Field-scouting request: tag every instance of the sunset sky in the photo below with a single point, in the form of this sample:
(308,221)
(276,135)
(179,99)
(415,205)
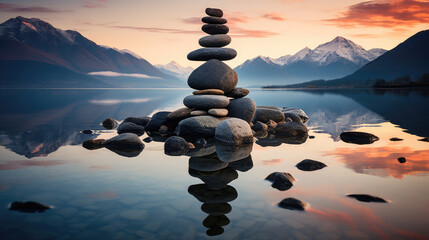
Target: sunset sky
(165,30)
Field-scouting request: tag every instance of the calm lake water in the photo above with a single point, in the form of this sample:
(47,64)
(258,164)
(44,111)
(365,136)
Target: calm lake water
(99,194)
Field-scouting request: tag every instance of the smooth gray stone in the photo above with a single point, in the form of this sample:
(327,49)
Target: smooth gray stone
(156,121)
(109,123)
(358,137)
(243,108)
(238,93)
(93,144)
(266,114)
(214,29)
(129,127)
(293,204)
(175,146)
(291,129)
(280,180)
(142,121)
(124,141)
(298,112)
(234,131)
(199,113)
(310,165)
(205,102)
(214,12)
(200,126)
(213,74)
(214,20)
(293,117)
(205,54)
(218,40)
(180,113)
(218,112)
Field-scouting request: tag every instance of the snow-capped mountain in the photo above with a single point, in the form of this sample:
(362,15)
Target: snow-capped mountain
(333,59)
(175,69)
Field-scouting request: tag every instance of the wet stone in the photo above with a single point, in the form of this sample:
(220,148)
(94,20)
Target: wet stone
(213,29)
(109,123)
(93,144)
(266,114)
(395,139)
(243,108)
(28,207)
(293,204)
(280,180)
(129,127)
(234,131)
(310,165)
(366,198)
(358,137)
(205,54)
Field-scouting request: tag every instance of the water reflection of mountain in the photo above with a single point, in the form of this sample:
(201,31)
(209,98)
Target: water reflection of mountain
(403,107)
(37,122)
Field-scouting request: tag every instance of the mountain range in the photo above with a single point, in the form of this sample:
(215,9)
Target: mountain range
(330,60)
(174,69)
(36,54)
(406,65)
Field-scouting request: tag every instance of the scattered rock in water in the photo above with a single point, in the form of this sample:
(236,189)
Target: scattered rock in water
(358,137)
(243,108)
(28,207)
(218,112)
(234,131)
(293,204)
(205,54)
(366,198)
(395,139)
(214,20)
(291,129)
(230,153)
(199,113)
(213,29)
(299,112)
(293,117)
(266,114)
(109,123)
(213,221)
(209,92)
(197,127)
(142,121)
(129,127)
(310,165)
(207,163)
(402,160)
(93,144)
(280,180)
(311,137)
(215,180)
(148,140)
(124,141)
(268,142)
(207,195)
(214,12)
(259,126)
(216,209)
(426,139)
(213,74)
(158,119)
(176,146)
(206,101)
(87,131)
(242,165)
(180,114)
(238,93)
(218,40)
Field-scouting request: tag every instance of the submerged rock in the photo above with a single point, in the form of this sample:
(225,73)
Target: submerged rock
(310,165)
(109,123)
(93,144)
(358,137)
(28,207)
(366,198)
(234,131)
(280,180)
(293,204)
(129,127)
(176,146)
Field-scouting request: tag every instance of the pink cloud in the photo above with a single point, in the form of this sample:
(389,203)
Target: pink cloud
(9,7)
(95,4)
(273,16)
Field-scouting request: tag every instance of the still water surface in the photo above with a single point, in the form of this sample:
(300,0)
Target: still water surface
(101,195)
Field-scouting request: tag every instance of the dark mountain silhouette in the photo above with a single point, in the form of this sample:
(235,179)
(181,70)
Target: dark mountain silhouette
(25,40)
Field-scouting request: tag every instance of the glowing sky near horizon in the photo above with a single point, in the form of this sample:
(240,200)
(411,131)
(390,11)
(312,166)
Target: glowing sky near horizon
(164,30)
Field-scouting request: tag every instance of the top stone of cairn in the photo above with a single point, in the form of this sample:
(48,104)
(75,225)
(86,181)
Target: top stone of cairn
(214,12)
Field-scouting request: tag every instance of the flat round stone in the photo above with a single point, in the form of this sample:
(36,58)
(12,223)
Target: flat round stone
(199,113)
(238,93)
(218,112)
(209,92)
(205,54)
(213,74)
(218,40)
(214,12)
(205,102)
(214,20)
(213,29)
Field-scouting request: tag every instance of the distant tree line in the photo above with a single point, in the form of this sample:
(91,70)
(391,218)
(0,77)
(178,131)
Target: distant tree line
(400,82)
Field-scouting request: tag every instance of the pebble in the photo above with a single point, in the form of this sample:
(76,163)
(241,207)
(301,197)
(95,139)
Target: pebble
(205,54)
(219,112)
(199,113)
(209,92)
(218,40)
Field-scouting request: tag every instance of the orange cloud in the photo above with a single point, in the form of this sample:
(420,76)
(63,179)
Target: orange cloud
(272,162)
(273,16)
(382,161)
(246,33)
(390,14)
(333,216)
